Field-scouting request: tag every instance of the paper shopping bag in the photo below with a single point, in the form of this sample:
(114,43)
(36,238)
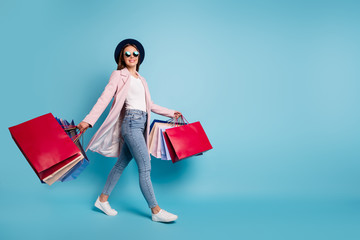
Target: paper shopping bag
(186,141)
(156,138)
(154,145)
(74,172)
(155,121)
(165,155)
(47,148)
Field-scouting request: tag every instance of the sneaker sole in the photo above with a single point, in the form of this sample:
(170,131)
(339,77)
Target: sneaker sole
(156,220)
(99,207)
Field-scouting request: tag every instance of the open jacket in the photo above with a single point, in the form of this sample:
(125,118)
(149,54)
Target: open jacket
(108,140)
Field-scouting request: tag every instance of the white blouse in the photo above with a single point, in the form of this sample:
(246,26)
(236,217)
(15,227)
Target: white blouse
(135,98)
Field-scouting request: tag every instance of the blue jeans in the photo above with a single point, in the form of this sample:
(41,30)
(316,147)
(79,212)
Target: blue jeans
(132,130)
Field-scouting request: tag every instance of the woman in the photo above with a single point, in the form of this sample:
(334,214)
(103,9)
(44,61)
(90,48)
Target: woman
(125,131)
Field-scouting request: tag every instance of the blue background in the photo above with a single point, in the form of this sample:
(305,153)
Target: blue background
(275,85)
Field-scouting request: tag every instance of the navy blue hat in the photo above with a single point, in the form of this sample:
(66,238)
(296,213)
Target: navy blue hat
(122,44)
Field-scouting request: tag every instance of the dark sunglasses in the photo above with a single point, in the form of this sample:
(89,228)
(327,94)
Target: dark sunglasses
(135,54)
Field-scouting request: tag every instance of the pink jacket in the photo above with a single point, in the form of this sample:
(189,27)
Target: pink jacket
(107,140)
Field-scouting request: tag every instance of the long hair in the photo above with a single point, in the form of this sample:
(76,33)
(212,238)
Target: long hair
(121,61)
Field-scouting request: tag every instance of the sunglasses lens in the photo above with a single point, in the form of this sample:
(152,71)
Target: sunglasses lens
(136,53)
(128,54)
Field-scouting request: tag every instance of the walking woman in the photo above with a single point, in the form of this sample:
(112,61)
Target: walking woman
(125,131)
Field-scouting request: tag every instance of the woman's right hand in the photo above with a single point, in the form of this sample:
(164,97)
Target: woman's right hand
(83,126)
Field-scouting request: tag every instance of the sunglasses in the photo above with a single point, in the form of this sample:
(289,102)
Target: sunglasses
(135,54)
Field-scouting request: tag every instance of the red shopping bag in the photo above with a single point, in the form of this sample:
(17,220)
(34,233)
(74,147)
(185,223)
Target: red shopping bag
(46,146)
(186,141)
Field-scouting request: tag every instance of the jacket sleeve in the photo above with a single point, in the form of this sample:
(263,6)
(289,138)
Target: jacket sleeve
(162,110)
(103,100)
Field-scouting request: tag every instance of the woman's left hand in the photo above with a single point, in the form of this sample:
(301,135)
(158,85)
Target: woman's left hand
(177,114)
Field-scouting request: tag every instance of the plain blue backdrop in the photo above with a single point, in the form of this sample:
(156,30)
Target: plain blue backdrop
(275,85)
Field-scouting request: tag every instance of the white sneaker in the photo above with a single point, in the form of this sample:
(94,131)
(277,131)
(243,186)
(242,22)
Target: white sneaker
(164,216)
(105,207)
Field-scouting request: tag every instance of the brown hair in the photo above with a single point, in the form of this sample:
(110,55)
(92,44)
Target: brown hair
(121,61)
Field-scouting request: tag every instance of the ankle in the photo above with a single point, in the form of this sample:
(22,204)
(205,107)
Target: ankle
(155,209)
(103,198)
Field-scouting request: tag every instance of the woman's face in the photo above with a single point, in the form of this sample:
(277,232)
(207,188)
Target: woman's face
(131,60)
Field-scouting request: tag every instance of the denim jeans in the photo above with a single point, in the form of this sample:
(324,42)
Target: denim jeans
(132,130)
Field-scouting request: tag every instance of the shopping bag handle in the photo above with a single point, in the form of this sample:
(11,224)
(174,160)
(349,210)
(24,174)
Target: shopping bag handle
(174,122)
(182,117)
(177,122)
(77,136)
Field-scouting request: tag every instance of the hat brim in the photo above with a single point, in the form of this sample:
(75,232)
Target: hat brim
(123,43)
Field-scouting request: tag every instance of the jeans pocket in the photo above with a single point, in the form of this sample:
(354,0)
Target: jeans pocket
(136,116)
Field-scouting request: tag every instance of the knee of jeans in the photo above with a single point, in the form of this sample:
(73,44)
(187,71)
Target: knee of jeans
(120,165)
(145,170)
